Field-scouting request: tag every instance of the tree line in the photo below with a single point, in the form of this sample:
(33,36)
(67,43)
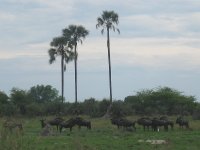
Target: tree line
(43,100)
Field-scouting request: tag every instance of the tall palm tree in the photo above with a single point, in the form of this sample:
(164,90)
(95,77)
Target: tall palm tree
(76,34)
(60,46)
(108,20)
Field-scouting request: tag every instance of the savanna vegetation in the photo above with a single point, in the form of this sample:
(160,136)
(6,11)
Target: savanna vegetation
(23,113)
(102,136)
(41,100)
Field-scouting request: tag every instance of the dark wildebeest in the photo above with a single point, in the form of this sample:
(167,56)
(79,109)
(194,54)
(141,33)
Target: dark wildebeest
(156,123)
(169,122)
(117,122)
(54,122)
(145,122)
(127,123)
(67,124)
(122,122)
(81,122)
(182,122)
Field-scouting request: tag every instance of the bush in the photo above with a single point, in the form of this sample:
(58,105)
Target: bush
(196,113)
(35,109)
(8,109)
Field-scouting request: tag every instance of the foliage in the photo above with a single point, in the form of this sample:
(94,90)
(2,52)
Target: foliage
(108,20)
(196,113)
(3,98)
(20,99)
(8,109)
(43,100)
(42,94)
(162,100)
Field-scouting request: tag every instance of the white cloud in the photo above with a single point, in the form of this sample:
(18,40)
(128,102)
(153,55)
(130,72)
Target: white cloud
(4,16)
(144,52)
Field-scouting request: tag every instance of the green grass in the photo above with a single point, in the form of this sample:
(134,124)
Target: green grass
(103,136)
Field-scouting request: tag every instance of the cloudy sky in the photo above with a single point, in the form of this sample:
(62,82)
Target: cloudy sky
(159,45)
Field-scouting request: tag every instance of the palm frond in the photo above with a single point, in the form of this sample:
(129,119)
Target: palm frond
(57,41)
(102,31)
(118,30)
(100,22)
(52,54)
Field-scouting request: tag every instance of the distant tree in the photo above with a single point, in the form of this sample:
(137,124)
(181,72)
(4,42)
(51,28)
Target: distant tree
(196,113)
(76,34)
(20,99)
(117,109)
(42,93)
(3,98)
(108,21)
(162,100)
(61,47)
(8,109)
(103,106)
(90,107)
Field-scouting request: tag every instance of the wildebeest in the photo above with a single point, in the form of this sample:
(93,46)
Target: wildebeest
(182,122)
(117,122)
(54,122)
(145,122)
(67,124)
(168,122)
(122,122)
(127,123)
(81,122)
(156,123)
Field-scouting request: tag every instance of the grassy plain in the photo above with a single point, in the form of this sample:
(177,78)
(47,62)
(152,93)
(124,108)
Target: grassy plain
(103,136)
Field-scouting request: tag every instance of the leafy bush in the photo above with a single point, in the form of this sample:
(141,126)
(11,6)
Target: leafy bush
(8,109)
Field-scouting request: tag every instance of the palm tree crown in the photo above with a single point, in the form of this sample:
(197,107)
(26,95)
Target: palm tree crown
(108,20)
(61,47)
(75,33)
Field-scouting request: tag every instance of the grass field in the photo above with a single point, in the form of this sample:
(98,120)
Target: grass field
(103,136)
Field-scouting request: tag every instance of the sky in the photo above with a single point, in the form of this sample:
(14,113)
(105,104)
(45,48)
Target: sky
(158,46)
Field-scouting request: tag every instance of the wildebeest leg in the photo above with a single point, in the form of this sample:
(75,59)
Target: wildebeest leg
(134,127)
(60,129)
(154,128)
(166,127)
(172,127)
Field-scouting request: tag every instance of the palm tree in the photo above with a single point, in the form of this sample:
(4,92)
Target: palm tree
(108,21)
(61,47)
(76,34)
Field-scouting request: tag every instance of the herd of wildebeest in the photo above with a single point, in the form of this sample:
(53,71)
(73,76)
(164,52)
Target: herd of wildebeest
(154,124)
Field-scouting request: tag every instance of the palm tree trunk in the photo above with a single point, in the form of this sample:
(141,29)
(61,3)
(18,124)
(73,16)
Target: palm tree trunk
(75,64)
(108,113)
(62,76)
(109,63)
